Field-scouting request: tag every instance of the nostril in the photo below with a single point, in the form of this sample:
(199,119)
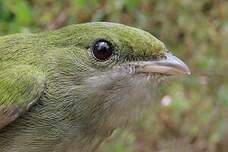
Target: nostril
(164,57)
(157,57)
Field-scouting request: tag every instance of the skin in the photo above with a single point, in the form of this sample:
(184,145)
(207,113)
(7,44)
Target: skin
(55,96)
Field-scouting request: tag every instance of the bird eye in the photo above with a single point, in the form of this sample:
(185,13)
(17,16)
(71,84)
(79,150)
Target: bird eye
(102,50)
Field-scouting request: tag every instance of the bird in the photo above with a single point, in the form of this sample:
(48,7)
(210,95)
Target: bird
(67,90)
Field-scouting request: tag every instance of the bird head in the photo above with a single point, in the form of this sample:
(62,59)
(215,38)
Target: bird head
(115,69)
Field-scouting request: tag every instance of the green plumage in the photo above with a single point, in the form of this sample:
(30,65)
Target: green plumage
(66,99)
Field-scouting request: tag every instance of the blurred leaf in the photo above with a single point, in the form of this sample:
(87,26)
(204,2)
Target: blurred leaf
(81,3)
(223,95)
(22,11)
(132,4)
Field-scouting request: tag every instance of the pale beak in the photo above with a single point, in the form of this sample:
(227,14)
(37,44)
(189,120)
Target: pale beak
(170,65)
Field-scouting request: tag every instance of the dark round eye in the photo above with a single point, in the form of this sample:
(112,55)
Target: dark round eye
(102,50)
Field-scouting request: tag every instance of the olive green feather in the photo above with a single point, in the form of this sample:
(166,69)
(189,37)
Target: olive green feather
(55,96)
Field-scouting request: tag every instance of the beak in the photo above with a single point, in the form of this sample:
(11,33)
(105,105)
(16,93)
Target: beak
(170,65)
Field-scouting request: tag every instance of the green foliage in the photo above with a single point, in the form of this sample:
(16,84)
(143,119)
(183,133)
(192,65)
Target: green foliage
(15,16)
(195,118)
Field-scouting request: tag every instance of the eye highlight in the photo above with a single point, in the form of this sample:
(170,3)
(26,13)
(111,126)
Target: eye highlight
(102,50)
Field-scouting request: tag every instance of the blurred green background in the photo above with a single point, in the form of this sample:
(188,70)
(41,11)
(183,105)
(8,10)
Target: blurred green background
(191,113)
